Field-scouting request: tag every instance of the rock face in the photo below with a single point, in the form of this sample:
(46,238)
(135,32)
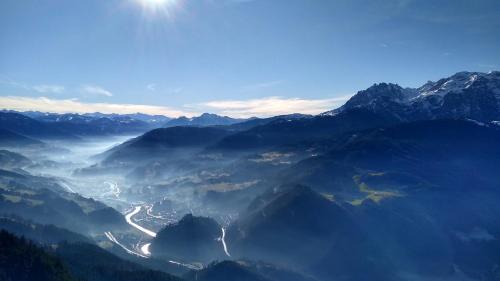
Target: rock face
(191,239)
(472,95)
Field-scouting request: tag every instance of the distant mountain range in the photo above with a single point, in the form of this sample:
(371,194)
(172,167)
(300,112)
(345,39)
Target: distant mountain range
(206,119)
(473,95)
(89,117)
(71,126)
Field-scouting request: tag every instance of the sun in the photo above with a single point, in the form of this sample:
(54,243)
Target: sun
(156,2)
(158,7)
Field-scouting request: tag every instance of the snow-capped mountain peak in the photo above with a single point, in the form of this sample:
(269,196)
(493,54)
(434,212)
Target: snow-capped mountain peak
(473,95)
(455,84)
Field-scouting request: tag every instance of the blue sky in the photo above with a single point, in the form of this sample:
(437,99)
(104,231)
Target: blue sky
(235,57)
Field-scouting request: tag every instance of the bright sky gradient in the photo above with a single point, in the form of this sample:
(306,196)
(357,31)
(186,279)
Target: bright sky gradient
(235,57)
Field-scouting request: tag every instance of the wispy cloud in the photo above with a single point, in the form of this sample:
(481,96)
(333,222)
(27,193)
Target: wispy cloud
(262,85)
(96,90)
(42,88)
(45,104)
(56,89)
(271,106)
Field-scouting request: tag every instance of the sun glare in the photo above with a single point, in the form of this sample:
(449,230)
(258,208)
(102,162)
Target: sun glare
(159,7)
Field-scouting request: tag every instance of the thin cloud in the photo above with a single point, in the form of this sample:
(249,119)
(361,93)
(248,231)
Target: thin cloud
(262,85)
(42,88)
(45,104)
(56,89)
(271,106)
(96,90)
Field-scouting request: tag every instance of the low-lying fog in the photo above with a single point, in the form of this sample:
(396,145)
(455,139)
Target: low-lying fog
(59,159)
(63,159)
(81,152)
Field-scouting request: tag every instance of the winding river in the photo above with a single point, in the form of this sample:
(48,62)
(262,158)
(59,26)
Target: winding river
(128,218)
